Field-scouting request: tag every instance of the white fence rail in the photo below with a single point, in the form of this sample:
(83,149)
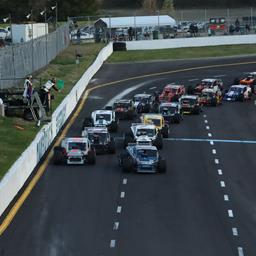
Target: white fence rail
(190,42)
(15,178)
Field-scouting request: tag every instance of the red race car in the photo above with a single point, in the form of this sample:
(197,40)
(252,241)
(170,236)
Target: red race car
(208,83)
(172,92)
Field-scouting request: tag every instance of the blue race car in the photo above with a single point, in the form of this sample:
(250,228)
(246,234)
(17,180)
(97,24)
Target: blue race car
(238,93)
(141,159)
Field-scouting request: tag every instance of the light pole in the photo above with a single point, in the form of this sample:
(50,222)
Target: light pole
(56,23)
(30,16)
(46,36)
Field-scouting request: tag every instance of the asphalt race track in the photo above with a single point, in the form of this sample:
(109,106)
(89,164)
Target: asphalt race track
(205,205)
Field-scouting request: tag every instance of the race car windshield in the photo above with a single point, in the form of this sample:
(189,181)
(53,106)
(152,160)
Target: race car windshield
(77,145)
(142,153)
(148,132)
(121,105)
(236,89)
(206,84)
(140,99)
(106,117)
(97,136)
(207,95)
(168,110)
(188,101)
(155,121)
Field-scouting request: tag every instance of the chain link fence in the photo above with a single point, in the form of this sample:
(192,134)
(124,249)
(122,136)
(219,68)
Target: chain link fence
(19,60)
(84,29)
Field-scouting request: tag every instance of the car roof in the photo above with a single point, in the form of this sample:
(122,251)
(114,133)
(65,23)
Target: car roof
(145,147)
(208,90)
(155,116)
(144,126)
(122,101)
(97,129)
(103,111)
(77,139)
(169,104)
(252,73)
(142,95)
(210,80)
(174,86)
(238,86)
(194,97)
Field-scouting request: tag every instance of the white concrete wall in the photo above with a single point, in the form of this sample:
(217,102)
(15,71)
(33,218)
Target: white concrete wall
(17,175)
(190,42)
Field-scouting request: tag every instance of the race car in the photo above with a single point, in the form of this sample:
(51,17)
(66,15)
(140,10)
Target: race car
(210,97)
(208,83)
(74,150)
(138,133)
(102,118)
(172,92)
(124,109)
(238,93)
(144,103)
(100,139)
(141,159)
(158,121)
(190,104)
(249,80)
(171,112)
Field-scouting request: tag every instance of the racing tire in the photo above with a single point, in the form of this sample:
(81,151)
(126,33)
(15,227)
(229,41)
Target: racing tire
(165,132)
(127,164)
(87,122)
(113,126)
(161,166)
(91,157)
(112,146)
(241,98)
(130,115)
(158,141)
(58,155)
(127,139)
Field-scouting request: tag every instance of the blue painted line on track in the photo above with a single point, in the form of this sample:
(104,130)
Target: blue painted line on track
(214,140)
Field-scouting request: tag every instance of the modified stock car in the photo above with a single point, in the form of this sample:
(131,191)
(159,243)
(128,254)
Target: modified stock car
(249,80)
(75,150)
(144,103)
(171,112)
(208,83)
(210,97)
(100,139)
(158,121)
(238,93)
(124,109)
(102,118)
(141,159)
(190,104)
(172,92)
(139,131)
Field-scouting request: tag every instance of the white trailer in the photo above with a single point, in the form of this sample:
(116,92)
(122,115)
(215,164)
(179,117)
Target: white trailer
(25,32)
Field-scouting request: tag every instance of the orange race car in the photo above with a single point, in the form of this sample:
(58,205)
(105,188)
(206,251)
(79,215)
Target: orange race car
(249,80)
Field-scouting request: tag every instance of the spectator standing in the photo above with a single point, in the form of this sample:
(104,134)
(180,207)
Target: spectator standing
(28,89)
(130,33)
(247,28)
(45,93)
(237,25)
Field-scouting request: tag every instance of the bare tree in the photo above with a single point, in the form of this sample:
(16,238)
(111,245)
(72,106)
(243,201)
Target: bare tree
(168,7)
(149,6)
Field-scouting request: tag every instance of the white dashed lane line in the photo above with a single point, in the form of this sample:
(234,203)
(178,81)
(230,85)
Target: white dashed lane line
(152,88)
(193,79)
(220,172)
(206,121)
(219,76)
(209,135)
(211,142)
(230,214)
(119,209)
(240,251)
(122,194)
(226,198)
(207,127)
(214,151)
(222,184)
(112,243)
(116,226)
(205,116)
(124,181)
(235,231)
(216,161)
